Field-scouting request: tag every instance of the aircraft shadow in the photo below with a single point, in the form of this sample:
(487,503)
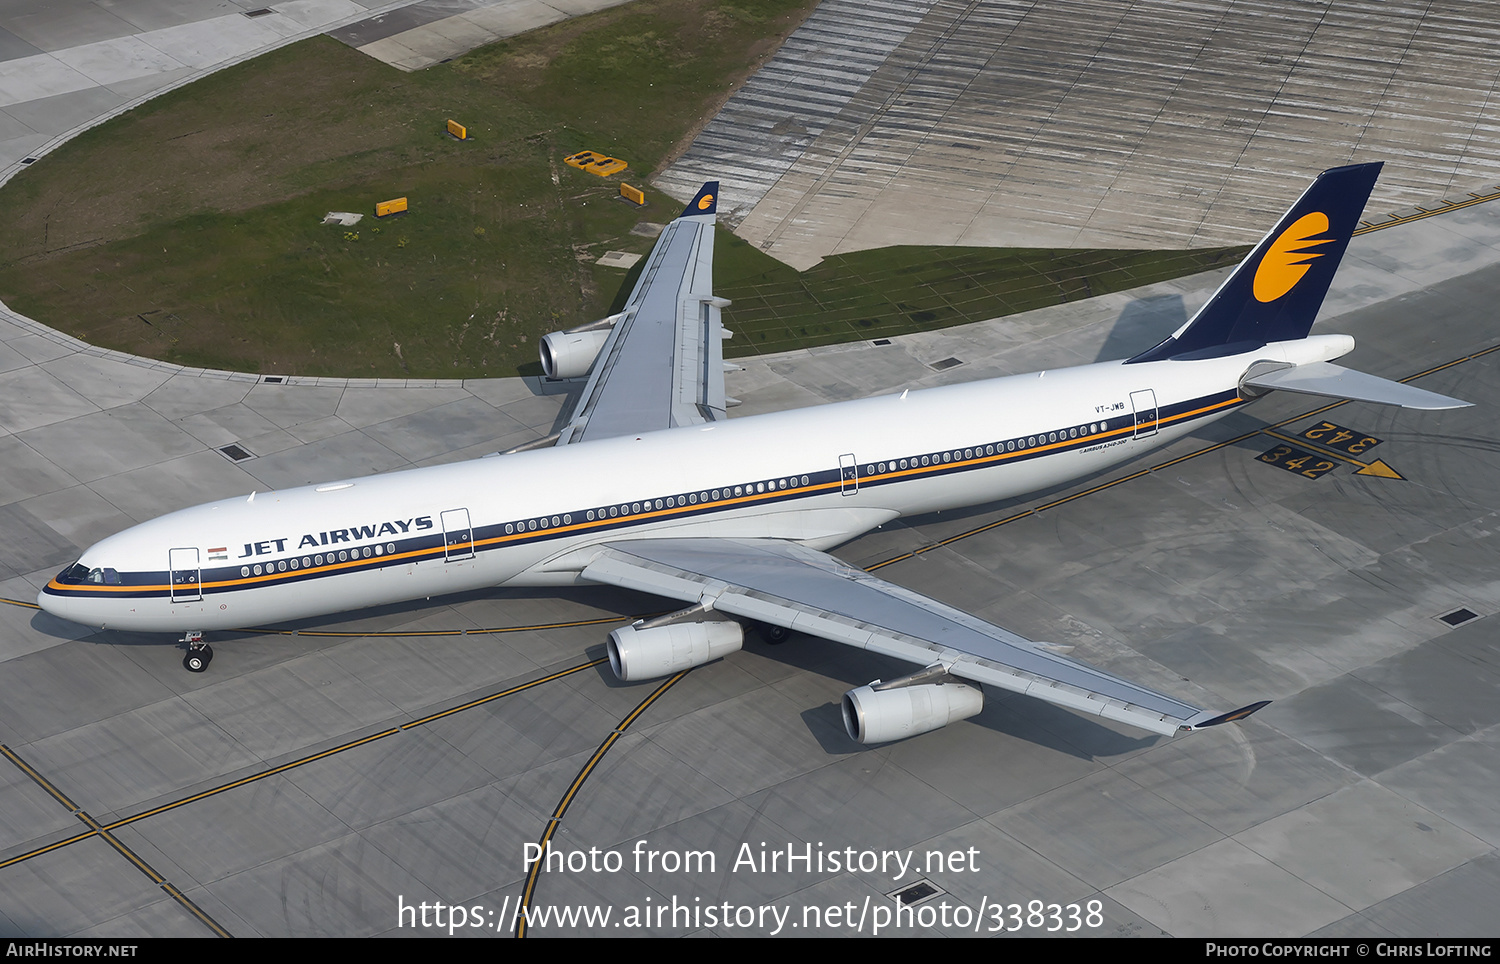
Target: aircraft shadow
(1143,324)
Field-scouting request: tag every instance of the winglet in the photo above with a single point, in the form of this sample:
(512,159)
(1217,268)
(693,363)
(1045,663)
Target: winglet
(706,201)
(1232,716)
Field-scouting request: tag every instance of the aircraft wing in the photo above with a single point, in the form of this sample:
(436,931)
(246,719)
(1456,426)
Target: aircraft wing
(663,363)
(789,585)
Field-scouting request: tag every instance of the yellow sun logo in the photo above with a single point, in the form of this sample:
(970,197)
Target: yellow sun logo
(1288,258)
(705,202)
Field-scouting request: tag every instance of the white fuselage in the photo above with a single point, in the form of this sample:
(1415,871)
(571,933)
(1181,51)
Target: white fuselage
(818,476)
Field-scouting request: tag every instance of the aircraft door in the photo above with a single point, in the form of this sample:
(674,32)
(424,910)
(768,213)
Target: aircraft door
(182,569)
(848,474)
(458,536)
(1144,403)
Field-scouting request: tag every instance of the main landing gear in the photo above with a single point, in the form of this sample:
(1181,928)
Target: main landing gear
(199,653)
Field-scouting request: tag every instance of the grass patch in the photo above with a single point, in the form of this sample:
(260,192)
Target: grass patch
(189,228)
(897,290)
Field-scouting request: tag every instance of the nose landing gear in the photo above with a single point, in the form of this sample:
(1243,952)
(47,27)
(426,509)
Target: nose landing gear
(199,653)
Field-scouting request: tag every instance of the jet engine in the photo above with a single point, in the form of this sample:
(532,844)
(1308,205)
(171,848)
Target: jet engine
(571,353)
(567,354)
(876,715)
(637,652)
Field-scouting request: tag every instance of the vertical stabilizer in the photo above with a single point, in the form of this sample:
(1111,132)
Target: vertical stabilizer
(1275,293)
(706,201)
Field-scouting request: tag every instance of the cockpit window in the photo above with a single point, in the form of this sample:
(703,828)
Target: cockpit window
(74,575)
(78,574)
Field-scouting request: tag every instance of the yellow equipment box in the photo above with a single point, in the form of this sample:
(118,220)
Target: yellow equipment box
(596,163)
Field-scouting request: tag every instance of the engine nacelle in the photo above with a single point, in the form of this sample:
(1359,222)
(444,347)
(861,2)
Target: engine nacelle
(636,654)
(570,354)
(879,716)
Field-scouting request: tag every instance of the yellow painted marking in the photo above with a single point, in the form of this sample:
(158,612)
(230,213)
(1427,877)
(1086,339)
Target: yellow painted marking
(504,693)
(122,850)
(95,830)
(1476,199)
(319,632)
(253,778)
(194,909)
(354,743)
(555,820)
(1379,468)
(1376,467)
(487,631)
(38,779)
(47,849)
(566,625)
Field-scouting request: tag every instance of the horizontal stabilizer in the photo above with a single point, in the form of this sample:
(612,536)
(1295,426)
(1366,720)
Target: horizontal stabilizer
(1323,378)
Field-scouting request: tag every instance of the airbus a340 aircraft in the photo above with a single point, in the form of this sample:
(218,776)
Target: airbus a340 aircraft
(649,487)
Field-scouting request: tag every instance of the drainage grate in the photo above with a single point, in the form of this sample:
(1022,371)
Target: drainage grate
(915,893)
(28,160)
(945,364)
(881,341)
(1459,616)
(273,379)
(235,453)
(262,12)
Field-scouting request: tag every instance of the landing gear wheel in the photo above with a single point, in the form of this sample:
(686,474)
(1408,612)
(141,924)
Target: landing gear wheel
(775,635)
(199,653)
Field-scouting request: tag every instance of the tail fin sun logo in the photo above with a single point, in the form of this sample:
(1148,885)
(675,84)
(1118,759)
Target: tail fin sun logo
(705,202)
(1288,259)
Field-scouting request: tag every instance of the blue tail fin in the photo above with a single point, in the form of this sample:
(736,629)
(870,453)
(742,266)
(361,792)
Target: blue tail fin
(1275,293)
(706,201)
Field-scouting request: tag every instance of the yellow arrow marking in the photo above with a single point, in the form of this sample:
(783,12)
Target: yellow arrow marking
(1379,468)
(1376,468)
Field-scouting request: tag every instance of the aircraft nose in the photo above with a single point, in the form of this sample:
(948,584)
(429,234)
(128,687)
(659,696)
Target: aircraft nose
(52,605)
